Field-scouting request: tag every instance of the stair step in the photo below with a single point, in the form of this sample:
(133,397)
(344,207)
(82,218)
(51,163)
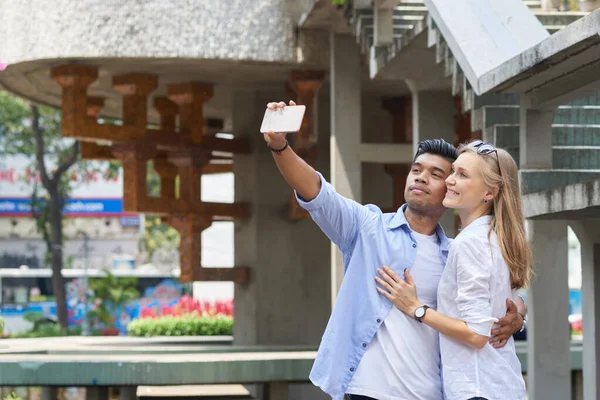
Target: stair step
(533,3)
(577,115)
(576,158)
(488,116)
(576,135)
(562,135)
(411,3)
(558,18)
(541,180)
(573,147)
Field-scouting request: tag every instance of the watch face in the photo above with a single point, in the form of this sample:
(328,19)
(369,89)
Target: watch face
(420,312)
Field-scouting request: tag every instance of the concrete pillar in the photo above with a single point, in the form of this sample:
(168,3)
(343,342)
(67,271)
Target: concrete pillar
(433,118)
(287,301)
(383,32)
(588,233)
(96,393)
(345,80)
(535,137)
(549,374)
(128,393)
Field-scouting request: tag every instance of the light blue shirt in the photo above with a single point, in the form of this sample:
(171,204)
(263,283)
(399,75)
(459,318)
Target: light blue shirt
(368,239)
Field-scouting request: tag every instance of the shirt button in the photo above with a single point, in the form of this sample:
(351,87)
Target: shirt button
(351,369)
(414,245)
(378,320)
(364,345)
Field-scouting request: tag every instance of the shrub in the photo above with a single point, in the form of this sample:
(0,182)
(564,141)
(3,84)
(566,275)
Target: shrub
(192,324)
(48,330)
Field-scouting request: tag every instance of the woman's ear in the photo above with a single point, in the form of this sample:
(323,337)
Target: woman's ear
(492,193)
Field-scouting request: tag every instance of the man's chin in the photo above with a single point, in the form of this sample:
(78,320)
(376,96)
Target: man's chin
(424,207)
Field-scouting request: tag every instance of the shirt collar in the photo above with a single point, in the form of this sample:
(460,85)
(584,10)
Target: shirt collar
(483,220)
(399,220)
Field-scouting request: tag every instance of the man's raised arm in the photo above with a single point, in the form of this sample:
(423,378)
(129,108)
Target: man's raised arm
(298,174)
(338,217)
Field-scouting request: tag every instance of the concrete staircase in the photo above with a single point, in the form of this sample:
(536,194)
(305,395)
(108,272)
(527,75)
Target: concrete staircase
(576,126)
(575,141)
(409,13)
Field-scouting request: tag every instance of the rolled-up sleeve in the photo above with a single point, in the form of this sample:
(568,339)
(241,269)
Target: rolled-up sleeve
(338,217)
(473,272)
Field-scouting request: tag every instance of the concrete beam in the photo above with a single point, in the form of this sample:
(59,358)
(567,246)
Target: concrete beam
(386,153)
(565,202)
(568,52)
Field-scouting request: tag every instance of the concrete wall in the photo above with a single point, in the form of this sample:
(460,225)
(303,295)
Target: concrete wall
(260,30)
(376,128)
(287,300)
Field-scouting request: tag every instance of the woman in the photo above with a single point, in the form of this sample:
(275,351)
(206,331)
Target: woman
(488,262)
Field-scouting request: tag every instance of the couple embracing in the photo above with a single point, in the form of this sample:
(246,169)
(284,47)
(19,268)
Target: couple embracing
(419,316)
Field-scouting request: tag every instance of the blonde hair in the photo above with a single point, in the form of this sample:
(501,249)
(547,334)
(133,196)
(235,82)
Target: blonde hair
(507,213)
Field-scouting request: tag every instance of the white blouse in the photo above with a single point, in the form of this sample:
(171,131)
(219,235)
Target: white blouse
(474,287)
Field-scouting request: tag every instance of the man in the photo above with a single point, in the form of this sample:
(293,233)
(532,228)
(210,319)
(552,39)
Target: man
(371,350)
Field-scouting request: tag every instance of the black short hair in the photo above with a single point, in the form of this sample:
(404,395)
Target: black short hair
(438,147)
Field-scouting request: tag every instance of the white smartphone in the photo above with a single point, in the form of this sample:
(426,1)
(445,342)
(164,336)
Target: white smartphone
(287,119)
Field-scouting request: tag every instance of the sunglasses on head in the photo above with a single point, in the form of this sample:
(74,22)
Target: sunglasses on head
(486,148)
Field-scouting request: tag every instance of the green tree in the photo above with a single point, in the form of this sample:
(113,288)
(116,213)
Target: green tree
(35,132)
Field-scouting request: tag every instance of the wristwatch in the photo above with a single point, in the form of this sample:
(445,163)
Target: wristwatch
(420,313)
(524,321)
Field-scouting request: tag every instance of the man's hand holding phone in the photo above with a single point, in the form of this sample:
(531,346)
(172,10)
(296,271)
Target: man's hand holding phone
(279,120)
(276,139)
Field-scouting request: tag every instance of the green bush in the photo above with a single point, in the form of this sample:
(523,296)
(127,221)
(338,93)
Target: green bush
(182,325)
(48,330)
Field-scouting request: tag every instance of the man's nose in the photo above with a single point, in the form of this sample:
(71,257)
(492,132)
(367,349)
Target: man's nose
(421,178)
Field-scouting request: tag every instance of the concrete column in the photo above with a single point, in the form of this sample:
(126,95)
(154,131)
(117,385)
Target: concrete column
(96,393)
(535,137)
(287,301)
(346,136)
(588,233)
(383,32)
(433,118)
(549,374)
(128,393)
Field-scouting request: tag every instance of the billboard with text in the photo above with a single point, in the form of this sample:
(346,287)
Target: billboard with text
(94,193)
